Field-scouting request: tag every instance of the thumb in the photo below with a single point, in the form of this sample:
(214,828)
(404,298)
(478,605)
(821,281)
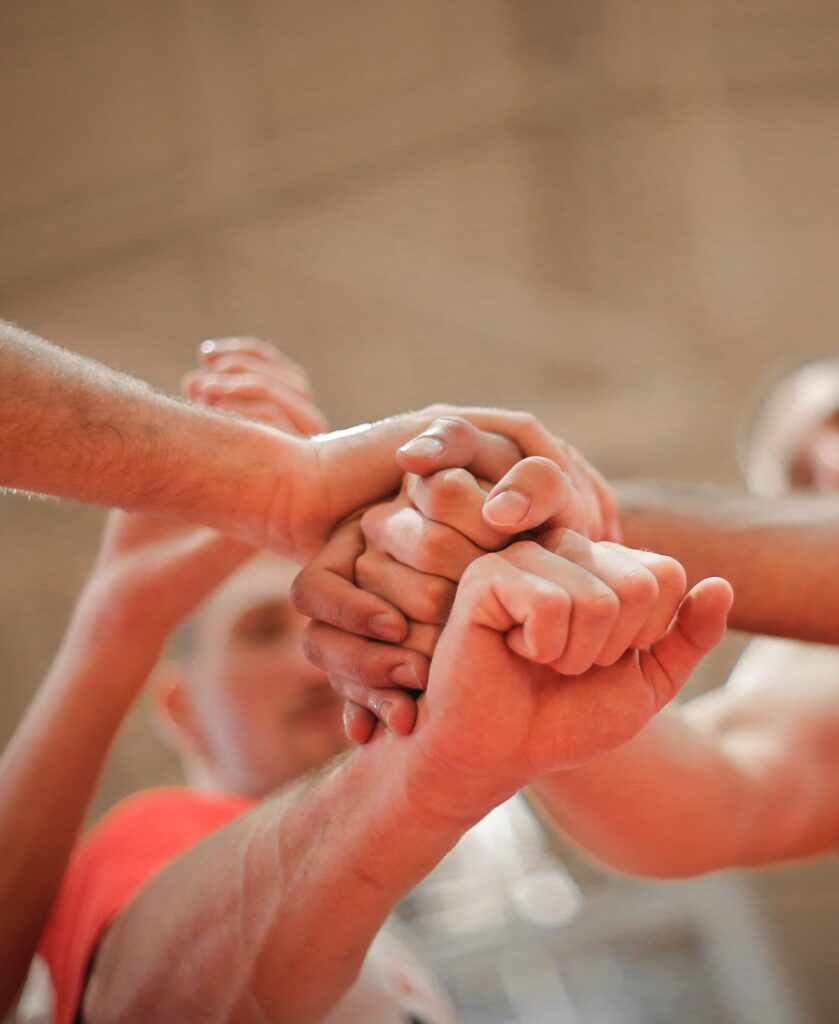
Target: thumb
(698,628)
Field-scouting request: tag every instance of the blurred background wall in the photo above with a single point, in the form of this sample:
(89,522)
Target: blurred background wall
(620,215)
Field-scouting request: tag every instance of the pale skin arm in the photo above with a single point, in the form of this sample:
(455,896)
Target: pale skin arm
(149,574)
(73,428)
(278,909)
(780,554)
(743,776)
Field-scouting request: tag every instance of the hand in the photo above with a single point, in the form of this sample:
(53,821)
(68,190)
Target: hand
(149,573)
(417,547)
(345,471)
(252,378)
(492,720)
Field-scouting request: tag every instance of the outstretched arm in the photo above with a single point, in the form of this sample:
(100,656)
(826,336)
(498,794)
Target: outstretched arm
(148,576)
(71,427)
(278,909)
(74,428)
(744,775)
(780,554)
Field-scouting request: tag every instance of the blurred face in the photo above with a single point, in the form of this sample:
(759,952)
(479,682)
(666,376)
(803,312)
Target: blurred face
(263,713)
(816,466)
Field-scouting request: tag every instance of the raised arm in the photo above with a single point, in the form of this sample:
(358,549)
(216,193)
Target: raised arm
(148,576)
(278,909)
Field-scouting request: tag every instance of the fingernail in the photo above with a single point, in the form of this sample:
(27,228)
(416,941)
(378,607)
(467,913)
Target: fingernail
(426,447)
(384,710)
(386,627)
(208,346)
(507,508)
(405,675)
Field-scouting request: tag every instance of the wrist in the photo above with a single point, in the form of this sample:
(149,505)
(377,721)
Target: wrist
(276,476)
(446,792)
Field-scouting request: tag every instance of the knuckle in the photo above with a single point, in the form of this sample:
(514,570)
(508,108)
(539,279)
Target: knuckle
(432,550)
(371,522)
(638,586)
(671,575)
(518,550)
(456,429)
(367,570)
(446,489)
(483,569)
(434,600)
(603,606)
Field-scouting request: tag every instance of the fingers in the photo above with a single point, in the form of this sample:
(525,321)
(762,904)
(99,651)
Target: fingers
(455,498)
(420,597)
(324,590)
(394,708)
(235,390)
(362,661)
(253,378)
(452,442)
(597,500)
(402,532)
(649,588)
(579,604)
(215,350)
(359,722)
(698,627)
(536,492)
(397,711)
(572,614)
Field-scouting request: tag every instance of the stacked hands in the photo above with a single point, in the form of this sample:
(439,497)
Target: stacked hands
(525,638)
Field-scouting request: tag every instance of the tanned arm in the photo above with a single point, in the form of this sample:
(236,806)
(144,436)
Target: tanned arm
(270,918)
(742,776)
(780,554)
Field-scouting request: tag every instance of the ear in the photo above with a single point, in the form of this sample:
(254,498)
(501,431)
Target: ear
(175,720)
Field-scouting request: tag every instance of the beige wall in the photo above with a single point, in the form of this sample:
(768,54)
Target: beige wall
(619,215)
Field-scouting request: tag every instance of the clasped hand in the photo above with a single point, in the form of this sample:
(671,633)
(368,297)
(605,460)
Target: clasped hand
(527,646)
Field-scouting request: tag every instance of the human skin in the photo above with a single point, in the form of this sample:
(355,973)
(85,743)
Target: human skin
(74,428)
(780,554)
(741,776)
(237,699)
(288,898)
(149,574)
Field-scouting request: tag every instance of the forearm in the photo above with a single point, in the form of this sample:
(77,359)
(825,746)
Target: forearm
(277,910)
(670,803)
(48,775)
(74,428)
(780,555)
